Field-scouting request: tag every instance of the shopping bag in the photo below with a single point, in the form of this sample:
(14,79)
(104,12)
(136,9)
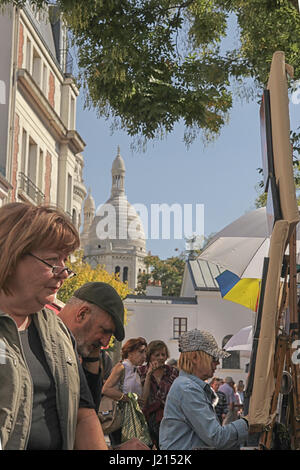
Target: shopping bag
(134,423)
(110,414)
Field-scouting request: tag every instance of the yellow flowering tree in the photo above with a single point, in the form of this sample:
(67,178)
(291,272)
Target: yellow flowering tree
(85,273)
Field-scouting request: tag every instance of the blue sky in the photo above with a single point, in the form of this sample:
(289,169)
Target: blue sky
(223,175)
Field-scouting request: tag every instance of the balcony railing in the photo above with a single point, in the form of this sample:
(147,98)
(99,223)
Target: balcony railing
(30,189)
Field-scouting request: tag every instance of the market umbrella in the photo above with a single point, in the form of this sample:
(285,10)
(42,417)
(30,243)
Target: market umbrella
(243,291)
(242,245)
(241,341)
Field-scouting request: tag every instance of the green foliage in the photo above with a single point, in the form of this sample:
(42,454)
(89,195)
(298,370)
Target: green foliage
(149,64)
(85,273)
(295,141)
(261,200)
(133,70)
(169,272)
(268,26)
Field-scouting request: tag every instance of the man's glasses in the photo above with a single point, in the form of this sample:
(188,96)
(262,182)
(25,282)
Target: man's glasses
(56,270)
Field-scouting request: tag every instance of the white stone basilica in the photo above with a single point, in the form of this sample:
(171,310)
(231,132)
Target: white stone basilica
(113,235)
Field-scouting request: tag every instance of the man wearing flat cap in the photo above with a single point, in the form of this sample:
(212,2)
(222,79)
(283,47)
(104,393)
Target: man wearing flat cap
(93,314)
(190,421)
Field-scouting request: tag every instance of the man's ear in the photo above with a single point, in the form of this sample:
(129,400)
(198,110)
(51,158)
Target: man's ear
(82,313)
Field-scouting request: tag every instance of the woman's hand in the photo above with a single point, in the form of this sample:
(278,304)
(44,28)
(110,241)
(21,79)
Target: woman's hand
(150,370)
(153,366)
(124,398)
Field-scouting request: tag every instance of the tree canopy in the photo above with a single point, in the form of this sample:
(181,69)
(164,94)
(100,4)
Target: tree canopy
(168,273)
(85,273)
(149,64)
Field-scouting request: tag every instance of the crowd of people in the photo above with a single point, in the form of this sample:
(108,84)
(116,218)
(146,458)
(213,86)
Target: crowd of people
(230,396)
(54,369)
(149,374)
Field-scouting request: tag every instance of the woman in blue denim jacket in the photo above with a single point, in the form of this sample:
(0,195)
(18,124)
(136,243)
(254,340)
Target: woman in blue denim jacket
(190,421)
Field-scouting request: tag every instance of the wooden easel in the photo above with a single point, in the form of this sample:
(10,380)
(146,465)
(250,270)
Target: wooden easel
(294,335)
(283,353)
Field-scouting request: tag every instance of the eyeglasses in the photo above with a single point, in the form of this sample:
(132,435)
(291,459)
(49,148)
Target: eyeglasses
(56,270)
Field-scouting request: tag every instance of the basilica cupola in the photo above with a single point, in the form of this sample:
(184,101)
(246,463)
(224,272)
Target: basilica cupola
(116,237)
(118,176)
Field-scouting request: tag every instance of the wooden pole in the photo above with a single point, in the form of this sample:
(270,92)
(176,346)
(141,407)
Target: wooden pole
(280,355)
(294,335)
(283,351)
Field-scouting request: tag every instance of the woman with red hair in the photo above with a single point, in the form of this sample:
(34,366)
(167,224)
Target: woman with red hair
(124,377)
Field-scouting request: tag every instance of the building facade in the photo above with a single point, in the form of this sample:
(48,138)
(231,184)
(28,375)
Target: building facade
(41,153)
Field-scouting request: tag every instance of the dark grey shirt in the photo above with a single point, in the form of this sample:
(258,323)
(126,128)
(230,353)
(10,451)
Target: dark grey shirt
(45,433)
(95,381)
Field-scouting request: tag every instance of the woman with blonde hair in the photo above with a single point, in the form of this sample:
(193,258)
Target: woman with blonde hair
(190,421)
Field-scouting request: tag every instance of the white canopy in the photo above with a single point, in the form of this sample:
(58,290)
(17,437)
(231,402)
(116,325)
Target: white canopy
(242,245)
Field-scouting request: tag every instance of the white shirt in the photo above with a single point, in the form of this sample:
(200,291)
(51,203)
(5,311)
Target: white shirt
(132,381)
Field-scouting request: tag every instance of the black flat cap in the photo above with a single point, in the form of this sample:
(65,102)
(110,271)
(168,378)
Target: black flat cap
(107,298)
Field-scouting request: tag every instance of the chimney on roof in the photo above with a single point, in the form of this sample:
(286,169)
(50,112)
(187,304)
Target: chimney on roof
(154,288)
